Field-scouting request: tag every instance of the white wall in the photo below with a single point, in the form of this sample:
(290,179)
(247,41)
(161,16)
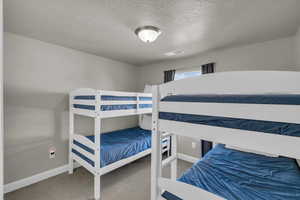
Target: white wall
(1,100)
(38,77)
(271,55)
(298,48)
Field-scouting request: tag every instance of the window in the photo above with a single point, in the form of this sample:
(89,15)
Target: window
(186,73)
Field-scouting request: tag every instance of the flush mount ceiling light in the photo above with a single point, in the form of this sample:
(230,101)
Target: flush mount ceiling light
(147,33)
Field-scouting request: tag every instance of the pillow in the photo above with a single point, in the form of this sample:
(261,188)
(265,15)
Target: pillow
(250,151)
(145,121)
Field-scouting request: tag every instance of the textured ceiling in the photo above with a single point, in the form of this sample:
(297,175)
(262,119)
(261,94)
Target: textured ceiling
(106,27)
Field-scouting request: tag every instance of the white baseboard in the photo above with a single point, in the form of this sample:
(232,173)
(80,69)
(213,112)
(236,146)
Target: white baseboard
(187,158)
(36,178)
(54,172)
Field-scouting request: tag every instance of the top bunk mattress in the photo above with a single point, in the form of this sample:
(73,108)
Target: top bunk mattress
(280,99)
(236,175)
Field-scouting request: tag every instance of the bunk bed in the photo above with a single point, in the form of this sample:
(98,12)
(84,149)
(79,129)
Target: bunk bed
(253,117)
(102,153)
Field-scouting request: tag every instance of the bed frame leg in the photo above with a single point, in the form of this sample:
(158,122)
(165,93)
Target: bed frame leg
(174,153)
(71,165)
(71,133)
(97,187)
(97,132)
(156,156)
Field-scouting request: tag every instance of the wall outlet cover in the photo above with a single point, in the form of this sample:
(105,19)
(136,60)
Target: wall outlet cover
(52,152)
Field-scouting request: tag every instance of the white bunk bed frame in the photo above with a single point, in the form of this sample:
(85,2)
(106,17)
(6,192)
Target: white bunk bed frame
(97,114)
(250,82)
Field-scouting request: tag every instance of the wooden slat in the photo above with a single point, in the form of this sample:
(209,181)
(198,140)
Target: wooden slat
(84,112)
(238,82)
(165,149)
(263,142)
(144,94)
(110,102)
(116,93)
(84,102)
(85,141)
(278,113)
(145,110)
(84,152)
(118,113)
(145,102)
(164,135)
(112,113)
(185,191)
(165,142)
(169,160)
(91,92)
(120,93)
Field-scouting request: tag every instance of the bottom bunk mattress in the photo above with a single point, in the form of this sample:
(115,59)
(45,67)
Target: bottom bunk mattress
(236,175)
(118,145)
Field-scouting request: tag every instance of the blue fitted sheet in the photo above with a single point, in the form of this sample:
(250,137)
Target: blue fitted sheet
(236,175)
(281,128)
(118,145)
(283,99)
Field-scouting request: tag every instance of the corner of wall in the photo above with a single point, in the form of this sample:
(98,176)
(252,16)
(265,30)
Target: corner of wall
(298,48)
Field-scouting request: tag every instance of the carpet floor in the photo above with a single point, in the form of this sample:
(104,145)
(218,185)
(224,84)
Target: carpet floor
(131,182)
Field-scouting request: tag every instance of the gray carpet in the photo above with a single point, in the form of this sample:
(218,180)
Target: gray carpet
(131,182)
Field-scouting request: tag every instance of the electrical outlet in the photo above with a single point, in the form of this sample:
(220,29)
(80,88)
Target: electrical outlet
(52,152)
(194,145)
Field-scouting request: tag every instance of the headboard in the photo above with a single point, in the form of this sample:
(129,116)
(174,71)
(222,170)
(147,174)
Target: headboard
(239,82)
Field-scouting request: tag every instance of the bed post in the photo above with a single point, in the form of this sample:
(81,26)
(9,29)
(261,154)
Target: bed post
(156,146)
(174,153)
(97,132)
(97,176)
(71,133)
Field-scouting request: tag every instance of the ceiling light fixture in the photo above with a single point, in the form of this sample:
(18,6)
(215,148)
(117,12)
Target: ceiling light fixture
(147,33)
